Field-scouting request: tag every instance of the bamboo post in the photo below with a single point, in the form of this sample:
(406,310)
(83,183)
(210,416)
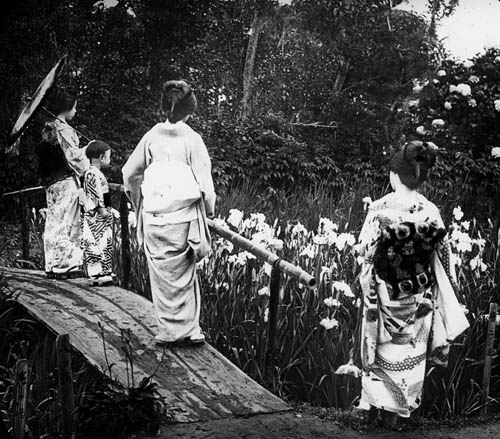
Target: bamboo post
(65,378)
(20,398)
(126,264)
(488,358)
(274,298)
(25,229)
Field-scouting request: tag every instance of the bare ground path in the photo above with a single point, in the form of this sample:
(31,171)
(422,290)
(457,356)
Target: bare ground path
(289,425)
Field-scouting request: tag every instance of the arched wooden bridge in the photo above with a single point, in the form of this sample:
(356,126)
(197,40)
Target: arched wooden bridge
(198,383)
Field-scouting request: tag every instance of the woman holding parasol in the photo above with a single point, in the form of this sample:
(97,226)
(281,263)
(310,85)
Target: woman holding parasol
(62,163)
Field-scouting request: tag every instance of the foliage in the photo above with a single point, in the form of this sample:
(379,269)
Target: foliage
(111,411)
(458,111)
(104,408)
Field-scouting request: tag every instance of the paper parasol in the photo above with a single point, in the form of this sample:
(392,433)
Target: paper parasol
(36,101)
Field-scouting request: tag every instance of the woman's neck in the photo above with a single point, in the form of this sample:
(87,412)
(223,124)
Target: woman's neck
(405,193)
(96,163)
(62,118)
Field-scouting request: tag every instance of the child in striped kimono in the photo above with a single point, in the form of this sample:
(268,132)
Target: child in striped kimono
(98,216)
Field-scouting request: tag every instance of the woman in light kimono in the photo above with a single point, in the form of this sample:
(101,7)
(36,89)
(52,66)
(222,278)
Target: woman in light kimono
(169,182)
(63,163)
(410,311)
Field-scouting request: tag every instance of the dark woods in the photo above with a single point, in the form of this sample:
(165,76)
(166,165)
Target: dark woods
(291,94)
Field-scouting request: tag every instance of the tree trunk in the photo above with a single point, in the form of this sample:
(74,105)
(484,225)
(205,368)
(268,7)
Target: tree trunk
(341,77)
(246,102)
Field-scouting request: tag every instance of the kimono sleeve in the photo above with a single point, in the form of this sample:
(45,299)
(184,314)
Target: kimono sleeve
(202,168)
(75,156)
(443,250)
(369,234)
(133,173)
(94,197)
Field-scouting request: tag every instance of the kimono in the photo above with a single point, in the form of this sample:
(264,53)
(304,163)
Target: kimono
(62,234)
(97,229)
(410,311)
(172,238)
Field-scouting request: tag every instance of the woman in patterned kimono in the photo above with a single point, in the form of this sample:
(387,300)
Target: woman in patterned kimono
(169,182)
(410,311)
(63,253)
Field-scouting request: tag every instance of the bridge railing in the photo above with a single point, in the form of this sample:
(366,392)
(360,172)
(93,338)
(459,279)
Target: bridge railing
(277,263)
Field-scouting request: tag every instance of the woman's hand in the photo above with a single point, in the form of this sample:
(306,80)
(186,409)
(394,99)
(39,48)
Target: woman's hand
(104,212)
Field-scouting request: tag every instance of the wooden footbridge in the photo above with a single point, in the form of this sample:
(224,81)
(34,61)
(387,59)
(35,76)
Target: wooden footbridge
(198,383)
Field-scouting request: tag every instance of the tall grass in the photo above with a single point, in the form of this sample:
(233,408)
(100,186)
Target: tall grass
(235,299)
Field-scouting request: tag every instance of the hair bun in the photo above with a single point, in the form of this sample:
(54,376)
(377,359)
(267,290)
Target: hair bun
(176,91)
(423,153)
(177,98)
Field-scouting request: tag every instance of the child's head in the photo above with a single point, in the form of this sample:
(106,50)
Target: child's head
(98,150)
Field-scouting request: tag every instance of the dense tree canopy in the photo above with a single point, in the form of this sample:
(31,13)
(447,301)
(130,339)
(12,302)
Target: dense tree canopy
(295,93)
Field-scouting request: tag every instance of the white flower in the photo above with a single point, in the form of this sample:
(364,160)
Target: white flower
(264,291)
(435,81)
(331,237)
(328,323)
(235,217)
(132,220)
(453,88)
(468,64)
(266,315)
(465,225)
(259,218)
(320,240)
(331,302)
(497,59)
(464,309)
(414,103)
(497,104)
(495,152)
(344,288)
(360,260)
(275,243)
(344,239)
(438,123)
(464,89)
(308,251)
(419,86)
(367,201)
(474,79)
(472,103)
(441,73)
(299,229)
(421,130)
(348,369)
(447,105)
(457,213)
(474,262)
(326,225)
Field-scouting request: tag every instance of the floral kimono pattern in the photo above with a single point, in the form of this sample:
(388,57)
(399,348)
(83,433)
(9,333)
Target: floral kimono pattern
(410,311)
(97,229)
(62,234)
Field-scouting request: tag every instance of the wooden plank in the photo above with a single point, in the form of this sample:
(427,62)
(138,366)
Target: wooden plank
(198,383)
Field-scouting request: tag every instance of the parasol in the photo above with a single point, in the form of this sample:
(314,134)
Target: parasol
(36,101)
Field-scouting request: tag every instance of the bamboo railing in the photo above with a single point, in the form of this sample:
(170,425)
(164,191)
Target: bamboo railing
(278,264)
